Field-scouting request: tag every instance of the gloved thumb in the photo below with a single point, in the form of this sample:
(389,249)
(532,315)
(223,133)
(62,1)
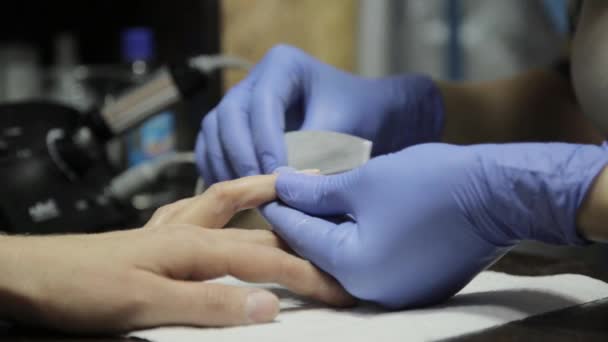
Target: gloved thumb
(316,195)
(310,237)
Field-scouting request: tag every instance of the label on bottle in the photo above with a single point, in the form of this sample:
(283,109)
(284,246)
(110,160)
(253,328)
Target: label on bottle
(154,138)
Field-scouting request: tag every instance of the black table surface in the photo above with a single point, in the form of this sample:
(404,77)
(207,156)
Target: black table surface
(586,322)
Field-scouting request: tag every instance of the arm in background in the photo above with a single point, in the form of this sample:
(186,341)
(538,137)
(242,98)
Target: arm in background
(538,105)
(593,212)
(542,105)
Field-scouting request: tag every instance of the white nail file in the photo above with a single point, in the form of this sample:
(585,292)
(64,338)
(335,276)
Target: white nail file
(329,152)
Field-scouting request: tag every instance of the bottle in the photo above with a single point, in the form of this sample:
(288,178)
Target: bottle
(156,136)
(67,86)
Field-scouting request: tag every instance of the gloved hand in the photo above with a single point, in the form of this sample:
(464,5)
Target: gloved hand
(425,221)
(290,90)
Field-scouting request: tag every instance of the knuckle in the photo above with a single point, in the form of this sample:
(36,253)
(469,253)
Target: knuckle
(165,210)
(268,237)
(228,108)
(222,194)
(233,103)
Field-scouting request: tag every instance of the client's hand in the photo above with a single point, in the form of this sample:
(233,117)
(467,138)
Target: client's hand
(216,206)
(121,281)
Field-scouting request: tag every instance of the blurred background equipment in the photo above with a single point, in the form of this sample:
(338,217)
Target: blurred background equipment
(63,64)
(58,149)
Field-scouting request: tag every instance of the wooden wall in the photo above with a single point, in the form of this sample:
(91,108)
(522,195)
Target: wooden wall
(323,28)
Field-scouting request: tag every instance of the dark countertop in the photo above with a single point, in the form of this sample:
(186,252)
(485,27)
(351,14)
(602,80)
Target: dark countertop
(586,322)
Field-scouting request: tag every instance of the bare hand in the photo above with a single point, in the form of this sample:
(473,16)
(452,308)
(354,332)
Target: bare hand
(121,281)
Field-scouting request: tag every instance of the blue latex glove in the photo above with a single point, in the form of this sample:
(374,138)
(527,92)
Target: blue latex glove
(426,220)
(291,90)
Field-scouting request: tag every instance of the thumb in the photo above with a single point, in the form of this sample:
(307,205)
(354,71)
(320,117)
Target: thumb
(312,238)
(207,304)
(316,195)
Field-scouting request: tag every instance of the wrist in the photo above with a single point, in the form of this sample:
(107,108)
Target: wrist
(14,281)
(534,191)
(593,213)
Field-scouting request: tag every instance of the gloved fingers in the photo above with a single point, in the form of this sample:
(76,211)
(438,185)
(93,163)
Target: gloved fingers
(235,132)
(276,90)
(312,238)
(218,168)
(202,162)
(317,195)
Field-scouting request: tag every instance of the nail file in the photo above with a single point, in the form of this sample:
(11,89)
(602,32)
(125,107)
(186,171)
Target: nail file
(329,152)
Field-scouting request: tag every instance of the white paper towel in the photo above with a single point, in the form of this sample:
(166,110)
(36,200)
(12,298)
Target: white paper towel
(490,299)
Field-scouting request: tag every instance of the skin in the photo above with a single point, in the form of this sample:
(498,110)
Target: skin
(120,281)
(539,105)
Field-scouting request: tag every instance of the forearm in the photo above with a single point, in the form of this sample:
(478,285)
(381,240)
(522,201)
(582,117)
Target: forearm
(535,106)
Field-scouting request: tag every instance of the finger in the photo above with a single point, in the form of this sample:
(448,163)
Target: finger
(235,132)
(218,167)
(275,91)
(315,239)
(216,206)
(167,213)
(317,195)
(177,302)
(298,275)
(255,236)
(204,158)
(254,263)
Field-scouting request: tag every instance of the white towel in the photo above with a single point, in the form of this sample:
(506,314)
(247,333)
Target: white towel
(491,299)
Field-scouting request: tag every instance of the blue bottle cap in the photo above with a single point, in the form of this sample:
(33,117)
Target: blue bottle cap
(137,44)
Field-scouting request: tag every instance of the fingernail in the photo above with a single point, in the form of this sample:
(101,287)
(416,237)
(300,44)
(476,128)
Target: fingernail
(261,307)
(284,169)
